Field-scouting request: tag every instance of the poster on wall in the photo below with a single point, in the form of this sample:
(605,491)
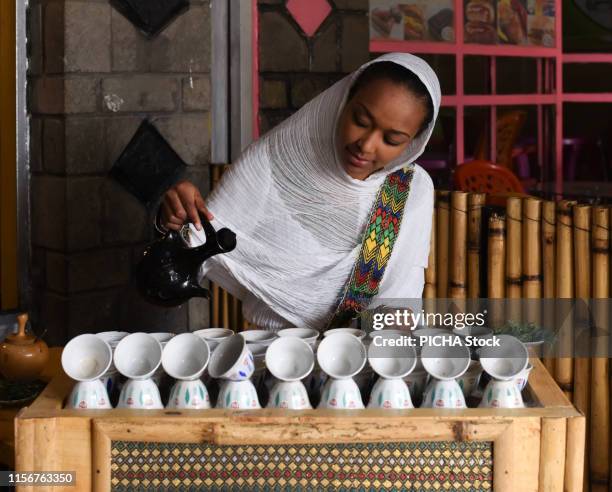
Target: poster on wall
(515,22)
(512,16)
(541,23)
(412,20)
(480,22)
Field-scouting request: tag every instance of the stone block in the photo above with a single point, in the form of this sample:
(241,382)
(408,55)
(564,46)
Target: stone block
(269,119)
(93,312)
(125,219)
(140,93)
(355,42)
(36,163)
(196,93)
(47,95)
(325,47)
(130,48)
(362,5)
(85,143)
(53,37)
(35,39)
(184,46)
(53,318)
(281,46)
(80,95)
(199,176)
(303,89)
(56,272)
(48,196)
(189,136)
(96,270)
(54,152)
(38,268)
(87,37)
(273,94)
(83,213)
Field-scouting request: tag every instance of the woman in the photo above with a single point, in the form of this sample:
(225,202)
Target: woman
(300,198)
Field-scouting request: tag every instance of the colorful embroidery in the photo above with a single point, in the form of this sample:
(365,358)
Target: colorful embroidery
(377,245)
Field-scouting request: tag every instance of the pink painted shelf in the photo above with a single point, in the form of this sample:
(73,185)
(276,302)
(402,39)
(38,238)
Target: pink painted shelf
(549,82)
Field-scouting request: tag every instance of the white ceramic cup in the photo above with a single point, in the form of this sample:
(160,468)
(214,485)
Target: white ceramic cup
(341,355)
(393,366)
(341,394)
(213,336)
(506,361)
(86,358)
(189,394)
(138,356)
(390,393)
(351,331)
(140,394)
(501,394)
(232,360)
(447,362)
(309,335)
(522,378)
(443,393)
(291,395)
(239,395)
(261,337)
(289,359)
(185,357)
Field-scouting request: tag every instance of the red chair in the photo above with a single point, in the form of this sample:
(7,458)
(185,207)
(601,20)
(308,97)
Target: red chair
(486,177)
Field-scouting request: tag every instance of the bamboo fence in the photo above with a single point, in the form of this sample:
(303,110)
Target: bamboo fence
(544,250)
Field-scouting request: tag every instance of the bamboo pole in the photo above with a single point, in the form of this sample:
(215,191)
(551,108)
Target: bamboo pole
(565,290)
(442,247)
(582,268)
(574,458)
(458,245)
(548,269)
(430,291)
(496,269)
(475,203)
(532,261)
(600,393)
(514,262)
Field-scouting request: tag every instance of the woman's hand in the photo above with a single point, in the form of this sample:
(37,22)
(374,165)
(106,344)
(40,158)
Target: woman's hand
(181,204)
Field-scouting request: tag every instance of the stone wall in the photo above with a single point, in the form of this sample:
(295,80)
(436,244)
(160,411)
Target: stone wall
(295,68)
(93,78)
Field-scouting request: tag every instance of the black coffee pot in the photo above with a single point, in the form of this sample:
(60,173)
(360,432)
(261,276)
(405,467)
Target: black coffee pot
(167,274)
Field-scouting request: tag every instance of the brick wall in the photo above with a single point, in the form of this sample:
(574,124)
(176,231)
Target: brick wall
(93,78)
(295,68)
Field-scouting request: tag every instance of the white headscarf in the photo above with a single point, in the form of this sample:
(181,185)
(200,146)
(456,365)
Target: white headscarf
(299,217)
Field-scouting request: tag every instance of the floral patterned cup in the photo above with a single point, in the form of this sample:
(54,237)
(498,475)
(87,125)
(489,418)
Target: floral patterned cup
(232,360)
(238,395)
(185,358)
(86,358)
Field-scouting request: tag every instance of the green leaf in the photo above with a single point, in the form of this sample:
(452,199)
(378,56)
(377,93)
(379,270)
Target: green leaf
(187,396)
(227,399)
(277,400)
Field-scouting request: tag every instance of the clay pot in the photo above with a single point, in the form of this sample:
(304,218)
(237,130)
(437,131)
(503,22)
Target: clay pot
(22,356)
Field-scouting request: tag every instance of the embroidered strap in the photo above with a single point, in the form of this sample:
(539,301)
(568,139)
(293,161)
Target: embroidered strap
(376,247)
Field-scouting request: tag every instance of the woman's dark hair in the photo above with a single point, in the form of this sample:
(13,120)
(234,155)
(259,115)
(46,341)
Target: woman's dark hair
(396,73)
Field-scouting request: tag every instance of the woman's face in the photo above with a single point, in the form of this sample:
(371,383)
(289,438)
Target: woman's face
(376,126)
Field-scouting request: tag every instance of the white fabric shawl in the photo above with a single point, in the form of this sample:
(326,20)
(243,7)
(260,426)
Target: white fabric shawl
(299,217)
